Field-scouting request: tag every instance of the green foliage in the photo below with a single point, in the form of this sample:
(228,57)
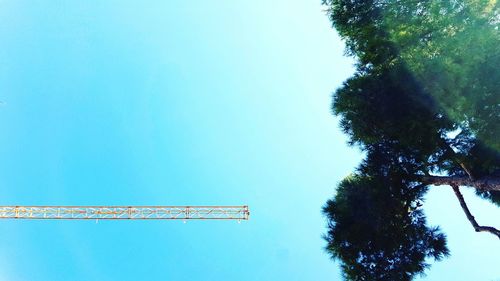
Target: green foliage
(377,233)
(388,104)
(450,48)
(376,226)
(424,99)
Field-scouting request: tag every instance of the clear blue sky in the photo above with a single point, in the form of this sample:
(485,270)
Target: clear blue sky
(183,102)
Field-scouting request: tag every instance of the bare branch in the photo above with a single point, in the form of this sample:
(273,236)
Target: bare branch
(467,170)
(470,217)
(459,161)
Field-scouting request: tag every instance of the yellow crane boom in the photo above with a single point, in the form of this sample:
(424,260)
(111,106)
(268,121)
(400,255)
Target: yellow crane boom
(126,212)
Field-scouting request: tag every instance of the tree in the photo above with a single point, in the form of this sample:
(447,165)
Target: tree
(376,226)
(424,104)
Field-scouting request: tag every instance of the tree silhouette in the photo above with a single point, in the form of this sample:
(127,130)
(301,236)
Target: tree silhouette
(424,104)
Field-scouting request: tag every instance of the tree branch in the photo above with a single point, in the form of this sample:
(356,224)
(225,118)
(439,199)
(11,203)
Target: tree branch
(457,159)
(488,183)
(467,170)
(470,217)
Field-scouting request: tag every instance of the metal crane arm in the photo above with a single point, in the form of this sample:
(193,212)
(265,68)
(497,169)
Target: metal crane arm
(126,212)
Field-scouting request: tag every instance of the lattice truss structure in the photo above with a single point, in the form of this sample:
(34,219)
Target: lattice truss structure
(126,212)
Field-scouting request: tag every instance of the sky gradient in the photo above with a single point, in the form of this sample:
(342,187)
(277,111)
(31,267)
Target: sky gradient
(184,103)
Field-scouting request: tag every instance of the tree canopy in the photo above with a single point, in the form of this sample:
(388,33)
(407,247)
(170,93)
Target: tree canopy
(424,104)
